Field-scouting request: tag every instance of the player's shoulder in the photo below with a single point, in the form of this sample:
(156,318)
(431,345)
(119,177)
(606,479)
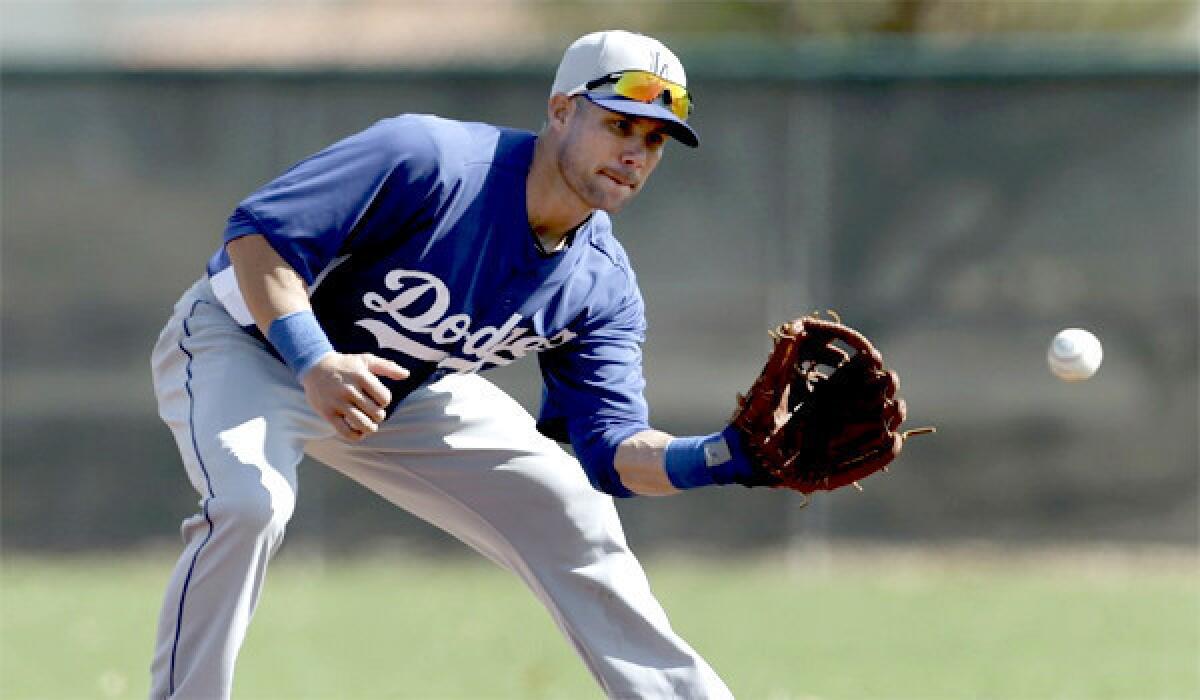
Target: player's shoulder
(607,280)
(606,262)
(604,243)
(451,143)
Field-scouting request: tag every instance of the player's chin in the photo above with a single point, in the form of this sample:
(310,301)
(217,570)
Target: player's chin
(614,206)
(614,197)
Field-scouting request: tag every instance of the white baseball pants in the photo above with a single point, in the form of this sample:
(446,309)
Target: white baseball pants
(459,453)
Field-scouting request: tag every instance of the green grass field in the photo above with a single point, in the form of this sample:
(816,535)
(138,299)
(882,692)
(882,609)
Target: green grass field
(884,625)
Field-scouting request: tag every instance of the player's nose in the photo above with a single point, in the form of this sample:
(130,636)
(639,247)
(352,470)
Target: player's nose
(634,155)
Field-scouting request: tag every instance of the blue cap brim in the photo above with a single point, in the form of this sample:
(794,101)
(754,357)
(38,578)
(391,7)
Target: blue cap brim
(676,127)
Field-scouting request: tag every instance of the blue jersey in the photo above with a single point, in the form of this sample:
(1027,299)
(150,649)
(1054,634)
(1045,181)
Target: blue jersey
(414,239)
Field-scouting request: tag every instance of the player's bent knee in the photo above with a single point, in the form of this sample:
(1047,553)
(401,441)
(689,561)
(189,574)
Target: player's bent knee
(253,514)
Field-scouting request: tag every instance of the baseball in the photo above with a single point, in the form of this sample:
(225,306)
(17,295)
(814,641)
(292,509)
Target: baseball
(1074,355)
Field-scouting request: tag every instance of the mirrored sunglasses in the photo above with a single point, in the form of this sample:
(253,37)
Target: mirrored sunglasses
(644,86)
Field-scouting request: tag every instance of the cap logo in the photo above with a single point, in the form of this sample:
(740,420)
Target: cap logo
(659,70)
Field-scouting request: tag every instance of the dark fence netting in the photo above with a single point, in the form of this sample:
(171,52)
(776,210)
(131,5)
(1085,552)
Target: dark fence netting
(960,222)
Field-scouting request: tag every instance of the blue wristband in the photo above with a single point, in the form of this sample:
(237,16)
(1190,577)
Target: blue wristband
(703,460)
(300,341)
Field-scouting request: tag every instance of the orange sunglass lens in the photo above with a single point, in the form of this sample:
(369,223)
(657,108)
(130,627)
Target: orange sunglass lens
(646,87)
(640,86)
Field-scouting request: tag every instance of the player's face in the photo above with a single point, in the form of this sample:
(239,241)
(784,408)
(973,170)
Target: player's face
(605,157)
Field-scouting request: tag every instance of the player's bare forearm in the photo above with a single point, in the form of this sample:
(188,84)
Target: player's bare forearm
(269,285)
(343,389)
(641,463)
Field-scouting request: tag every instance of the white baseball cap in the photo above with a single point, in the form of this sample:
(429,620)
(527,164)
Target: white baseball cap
(600,54)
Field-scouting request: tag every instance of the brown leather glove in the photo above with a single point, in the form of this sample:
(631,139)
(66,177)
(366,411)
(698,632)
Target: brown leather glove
(824,412)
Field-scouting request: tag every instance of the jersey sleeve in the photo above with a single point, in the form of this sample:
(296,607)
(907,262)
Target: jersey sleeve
(593,392)
(376,182)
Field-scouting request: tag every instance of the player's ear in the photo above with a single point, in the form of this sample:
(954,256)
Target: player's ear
(558,110)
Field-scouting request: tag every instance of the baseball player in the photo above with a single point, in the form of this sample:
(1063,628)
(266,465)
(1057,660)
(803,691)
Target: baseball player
(347,315)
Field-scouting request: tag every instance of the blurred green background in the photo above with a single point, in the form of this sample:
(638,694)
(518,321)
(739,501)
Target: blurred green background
(958,179)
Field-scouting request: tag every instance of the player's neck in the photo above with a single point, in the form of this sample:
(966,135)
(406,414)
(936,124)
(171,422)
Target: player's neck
(553,209)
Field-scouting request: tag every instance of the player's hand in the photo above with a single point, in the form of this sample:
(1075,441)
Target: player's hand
(345,390)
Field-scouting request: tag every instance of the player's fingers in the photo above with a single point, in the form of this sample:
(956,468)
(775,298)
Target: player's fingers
(340,426)
(374,390)
(369,406)
(369,381)
(347,433)
(384,368)
(358,422)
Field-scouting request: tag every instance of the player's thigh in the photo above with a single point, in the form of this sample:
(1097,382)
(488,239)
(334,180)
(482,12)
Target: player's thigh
(238,417)
(465,456)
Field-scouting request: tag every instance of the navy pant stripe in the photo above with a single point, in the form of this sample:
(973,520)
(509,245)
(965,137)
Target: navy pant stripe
(208,482)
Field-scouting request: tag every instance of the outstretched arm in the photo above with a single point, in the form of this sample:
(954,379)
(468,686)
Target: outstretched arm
(822,414)
(594,398)
(343,389)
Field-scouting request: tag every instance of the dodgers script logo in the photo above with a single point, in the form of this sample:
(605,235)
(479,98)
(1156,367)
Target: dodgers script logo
(481,347)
